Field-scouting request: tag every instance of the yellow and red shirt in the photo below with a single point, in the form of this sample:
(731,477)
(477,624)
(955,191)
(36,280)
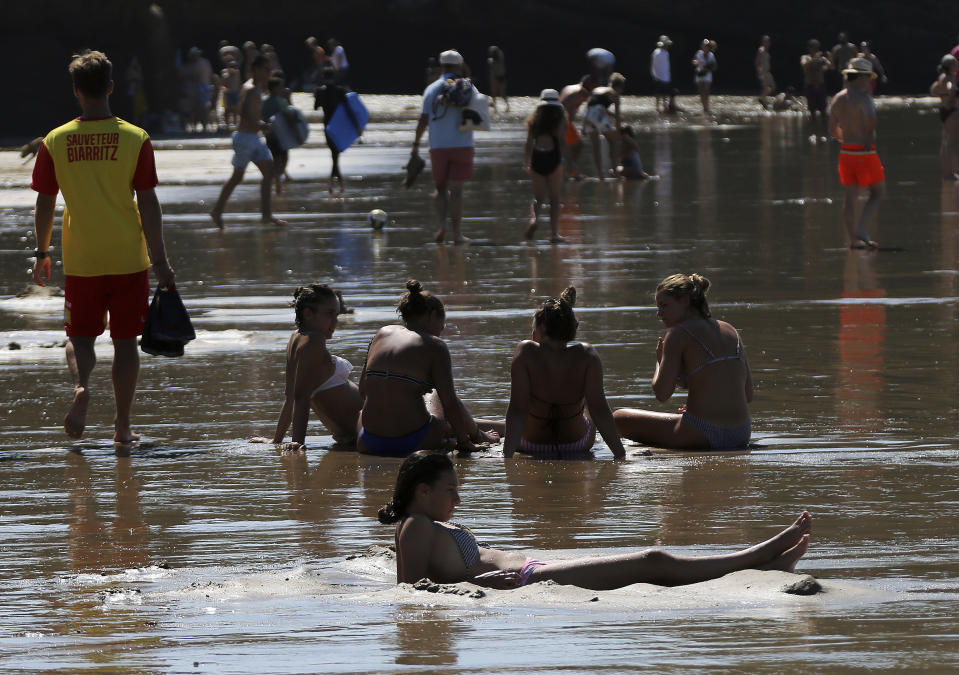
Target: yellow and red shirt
(98,164)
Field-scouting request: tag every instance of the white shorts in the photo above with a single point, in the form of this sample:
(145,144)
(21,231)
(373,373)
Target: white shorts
(248,148)
(597,116)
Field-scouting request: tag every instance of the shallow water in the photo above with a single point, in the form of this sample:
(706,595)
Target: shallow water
(853,354)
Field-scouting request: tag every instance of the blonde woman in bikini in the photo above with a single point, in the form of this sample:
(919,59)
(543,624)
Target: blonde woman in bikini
(707,357)
(429,546)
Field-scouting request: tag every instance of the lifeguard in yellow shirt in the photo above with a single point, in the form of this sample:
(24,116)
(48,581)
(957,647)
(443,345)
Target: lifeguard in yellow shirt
(98,162)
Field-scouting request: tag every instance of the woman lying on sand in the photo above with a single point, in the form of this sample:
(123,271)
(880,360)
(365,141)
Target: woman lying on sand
(314,377)
(556,399)
(429,546)
(708,357)
(402,365)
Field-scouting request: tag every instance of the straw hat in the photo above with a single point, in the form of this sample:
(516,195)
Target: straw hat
(859,67)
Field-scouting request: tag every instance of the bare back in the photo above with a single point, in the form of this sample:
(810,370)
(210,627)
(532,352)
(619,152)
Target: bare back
(852,118)
(573,96)
(557,388)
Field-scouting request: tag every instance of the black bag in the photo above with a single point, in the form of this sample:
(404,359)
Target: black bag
(167,326)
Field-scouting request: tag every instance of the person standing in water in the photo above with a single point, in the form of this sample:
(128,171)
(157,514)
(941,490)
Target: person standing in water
(572,97)
(451,149)
(249,146)
(852,121)
(496,63)
(660,71)
(763,63)
(704,65)
(814,64)
(545,141)
(947,89)
(99,162)
(329,96)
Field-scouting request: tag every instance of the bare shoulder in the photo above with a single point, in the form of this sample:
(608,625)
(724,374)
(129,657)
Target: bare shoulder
(583,350)
(416,527)
(525,349)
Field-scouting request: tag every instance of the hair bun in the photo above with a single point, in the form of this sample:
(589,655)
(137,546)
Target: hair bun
(297,291)
(569,296)
(700,281)
(413,286)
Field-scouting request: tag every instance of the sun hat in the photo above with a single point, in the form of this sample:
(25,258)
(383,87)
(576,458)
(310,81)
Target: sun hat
(859,66)
(451,57)
(549,96)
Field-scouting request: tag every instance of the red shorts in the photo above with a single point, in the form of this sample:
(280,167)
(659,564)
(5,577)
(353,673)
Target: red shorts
(88,299)
(451,164)
(572,134)
(858,166)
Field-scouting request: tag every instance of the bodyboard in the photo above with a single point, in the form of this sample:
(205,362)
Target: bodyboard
(290,135)
(348,122)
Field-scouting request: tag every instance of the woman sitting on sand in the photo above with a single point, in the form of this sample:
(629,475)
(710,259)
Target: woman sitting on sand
(598,120)
(708,357)
(557,396)
(403,364)
(429,546)
(314,377)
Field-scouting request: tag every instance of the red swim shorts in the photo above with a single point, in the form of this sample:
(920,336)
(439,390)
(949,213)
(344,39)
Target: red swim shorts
(451,164)
(88,300)
(858,166)
(572,134)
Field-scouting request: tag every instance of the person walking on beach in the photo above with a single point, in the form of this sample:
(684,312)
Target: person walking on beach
(763,63)
(660,71)
(852,121)
(451,150)
(249,146)
(865,51)
(329,96)
(545,137)
(840,55)
(814,64)
(98,162)
(496,62)
(704,65)
(572,97)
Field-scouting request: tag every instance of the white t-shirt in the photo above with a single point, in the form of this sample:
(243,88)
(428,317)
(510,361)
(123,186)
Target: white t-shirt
(659,66)
(338,57)
(445,120)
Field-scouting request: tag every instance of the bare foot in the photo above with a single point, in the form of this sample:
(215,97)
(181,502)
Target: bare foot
(123,434)
(787,561)
(440,235)
(217,218)
(864,242)
(76,419)
(485,437)
(769,550)
(556,239)
(273,220)
(530,228)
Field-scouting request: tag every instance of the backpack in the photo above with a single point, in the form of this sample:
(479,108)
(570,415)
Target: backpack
(456,92)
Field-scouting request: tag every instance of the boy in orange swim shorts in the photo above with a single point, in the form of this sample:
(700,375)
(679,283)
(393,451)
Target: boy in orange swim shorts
(852,121)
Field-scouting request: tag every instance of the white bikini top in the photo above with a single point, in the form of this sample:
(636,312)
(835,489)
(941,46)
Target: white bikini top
(341,375)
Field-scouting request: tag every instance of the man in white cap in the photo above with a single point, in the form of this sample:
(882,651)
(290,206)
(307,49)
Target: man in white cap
(451,150)
(852,121)
(660,70)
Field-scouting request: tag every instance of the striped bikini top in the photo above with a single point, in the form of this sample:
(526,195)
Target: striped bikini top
(465,541)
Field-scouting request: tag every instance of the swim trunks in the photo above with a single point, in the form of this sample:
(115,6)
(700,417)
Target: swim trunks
(248,148)
(597,116)
(720,438)
(816,97)
(572,134)
(88,300)
(859,166)
(451,164)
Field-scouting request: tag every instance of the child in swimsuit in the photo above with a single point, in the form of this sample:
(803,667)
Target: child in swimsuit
(545,146)
(429,546)
(404,364)
(557,401)
(708,357)
(599,121)
(630,166)
(315,378)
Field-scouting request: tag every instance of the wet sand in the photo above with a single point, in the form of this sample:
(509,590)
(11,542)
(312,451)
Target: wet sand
(201,548)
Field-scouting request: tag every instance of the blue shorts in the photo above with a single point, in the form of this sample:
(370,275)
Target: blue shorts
(248,148)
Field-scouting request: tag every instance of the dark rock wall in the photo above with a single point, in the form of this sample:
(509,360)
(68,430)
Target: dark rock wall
(387,41)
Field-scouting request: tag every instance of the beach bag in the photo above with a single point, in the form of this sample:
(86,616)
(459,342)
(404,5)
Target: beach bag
(476,115)
(457,92)
(167,327)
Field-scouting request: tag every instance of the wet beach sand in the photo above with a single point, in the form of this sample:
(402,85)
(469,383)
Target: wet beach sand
(201,552)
